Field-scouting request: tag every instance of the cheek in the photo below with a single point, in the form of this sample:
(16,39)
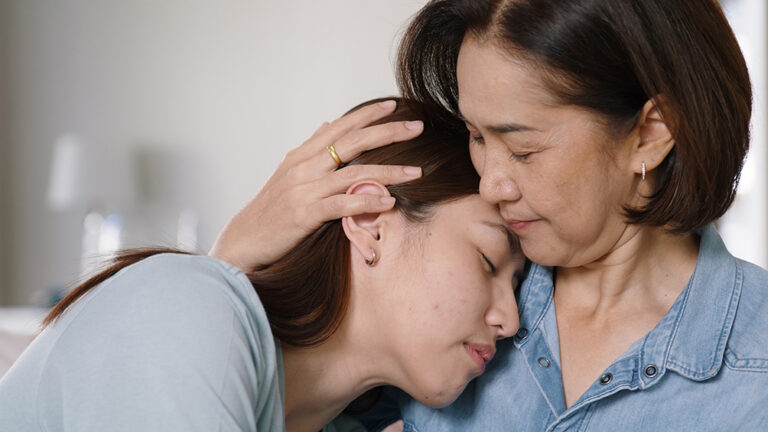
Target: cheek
(458,300)
(564,182)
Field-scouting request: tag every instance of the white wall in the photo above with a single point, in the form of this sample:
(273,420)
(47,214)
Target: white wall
(5,176)
(745,226)
(219,90)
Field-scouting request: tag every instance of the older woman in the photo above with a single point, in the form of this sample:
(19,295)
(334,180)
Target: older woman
(611,135)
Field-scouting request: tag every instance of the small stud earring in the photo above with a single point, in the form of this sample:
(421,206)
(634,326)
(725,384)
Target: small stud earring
(642,166)
(372,261)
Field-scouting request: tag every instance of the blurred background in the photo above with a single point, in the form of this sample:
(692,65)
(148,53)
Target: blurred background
(151,123)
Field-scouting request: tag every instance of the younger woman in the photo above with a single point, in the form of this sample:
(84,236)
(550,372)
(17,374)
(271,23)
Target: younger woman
(413,297)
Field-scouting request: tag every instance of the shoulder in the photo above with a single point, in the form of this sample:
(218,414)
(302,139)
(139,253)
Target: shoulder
(188,303)
(168,299)
(169,272)
(185,287)
(747,347)
(179,338)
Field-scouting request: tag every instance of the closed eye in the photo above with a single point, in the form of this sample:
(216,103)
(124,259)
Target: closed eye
(490,264)
(522,157)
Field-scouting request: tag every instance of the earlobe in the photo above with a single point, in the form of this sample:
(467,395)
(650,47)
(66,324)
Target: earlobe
(365,231)
(655,138)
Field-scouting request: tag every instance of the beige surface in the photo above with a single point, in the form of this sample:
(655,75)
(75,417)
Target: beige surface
(11,346)
(17,328)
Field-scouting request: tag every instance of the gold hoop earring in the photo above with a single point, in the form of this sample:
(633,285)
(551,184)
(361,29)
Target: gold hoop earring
(372,261)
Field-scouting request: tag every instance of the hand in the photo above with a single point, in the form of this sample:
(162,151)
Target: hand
(307,189)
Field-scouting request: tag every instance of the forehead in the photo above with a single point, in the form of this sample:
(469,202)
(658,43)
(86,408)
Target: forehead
(492,82)
(469,208)
(471,216)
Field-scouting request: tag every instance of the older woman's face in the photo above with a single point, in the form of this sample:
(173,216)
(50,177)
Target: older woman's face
(559,178)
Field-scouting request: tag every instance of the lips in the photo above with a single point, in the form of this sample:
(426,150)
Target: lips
(519,225)
(480,353)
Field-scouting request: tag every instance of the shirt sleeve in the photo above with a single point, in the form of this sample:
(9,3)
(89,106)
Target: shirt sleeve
(165,345)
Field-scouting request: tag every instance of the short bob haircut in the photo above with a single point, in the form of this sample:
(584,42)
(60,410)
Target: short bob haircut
(612,56)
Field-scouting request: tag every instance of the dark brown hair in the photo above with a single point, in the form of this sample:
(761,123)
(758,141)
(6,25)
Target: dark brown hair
(306,292)
(612,56)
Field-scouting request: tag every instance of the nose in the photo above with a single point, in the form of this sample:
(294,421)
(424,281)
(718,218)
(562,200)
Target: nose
(502,315)
(496,176)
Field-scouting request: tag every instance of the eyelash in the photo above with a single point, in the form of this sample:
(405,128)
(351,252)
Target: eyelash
(520,157)
(490,264)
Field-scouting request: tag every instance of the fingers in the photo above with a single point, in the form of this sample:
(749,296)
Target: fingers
(360,118)
(357,141)
(329,133)
(354,120)
(320,129)
(338,206)
(339,181)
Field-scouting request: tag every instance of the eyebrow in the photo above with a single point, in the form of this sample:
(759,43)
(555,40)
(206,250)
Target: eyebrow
(511,127)
(503,127)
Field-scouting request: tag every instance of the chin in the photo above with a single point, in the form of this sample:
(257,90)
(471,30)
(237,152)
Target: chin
(440,397)
(540,255)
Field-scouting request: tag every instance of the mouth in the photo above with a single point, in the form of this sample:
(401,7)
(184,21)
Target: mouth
(519,225)
(480,353)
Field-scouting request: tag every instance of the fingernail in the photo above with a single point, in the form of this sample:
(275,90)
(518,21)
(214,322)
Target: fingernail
(412,171)
(323,126)
(414,125)
(388,200)
(388,105)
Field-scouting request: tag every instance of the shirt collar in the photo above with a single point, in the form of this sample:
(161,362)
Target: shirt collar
(690,339)
(704,313)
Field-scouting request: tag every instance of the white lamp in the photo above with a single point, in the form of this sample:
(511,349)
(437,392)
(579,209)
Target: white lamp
(91,181)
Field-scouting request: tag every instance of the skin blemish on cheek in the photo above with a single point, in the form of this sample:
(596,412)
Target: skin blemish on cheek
(436,306)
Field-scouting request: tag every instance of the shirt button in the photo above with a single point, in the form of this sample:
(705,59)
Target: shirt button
(606,378)
(651,370)
(544,362)
(522,333)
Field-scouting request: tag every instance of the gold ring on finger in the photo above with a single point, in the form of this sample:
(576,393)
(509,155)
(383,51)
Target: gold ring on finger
(334,155)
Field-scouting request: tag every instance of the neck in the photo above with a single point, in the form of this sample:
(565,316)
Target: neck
(320,381)
(648,267)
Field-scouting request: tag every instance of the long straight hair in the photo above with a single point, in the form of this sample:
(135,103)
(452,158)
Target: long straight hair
(306,292)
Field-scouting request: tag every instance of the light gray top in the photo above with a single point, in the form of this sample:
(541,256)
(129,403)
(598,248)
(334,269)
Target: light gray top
(173,343)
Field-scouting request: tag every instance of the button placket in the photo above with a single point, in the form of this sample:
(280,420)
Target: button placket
(545,370)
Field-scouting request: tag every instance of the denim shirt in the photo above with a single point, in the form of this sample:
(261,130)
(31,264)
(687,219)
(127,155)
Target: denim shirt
(704,367)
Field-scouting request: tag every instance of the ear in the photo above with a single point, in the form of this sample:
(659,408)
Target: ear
(655,139)
(366,230)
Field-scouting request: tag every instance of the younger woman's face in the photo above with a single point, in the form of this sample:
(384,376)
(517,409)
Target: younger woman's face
(450,294)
